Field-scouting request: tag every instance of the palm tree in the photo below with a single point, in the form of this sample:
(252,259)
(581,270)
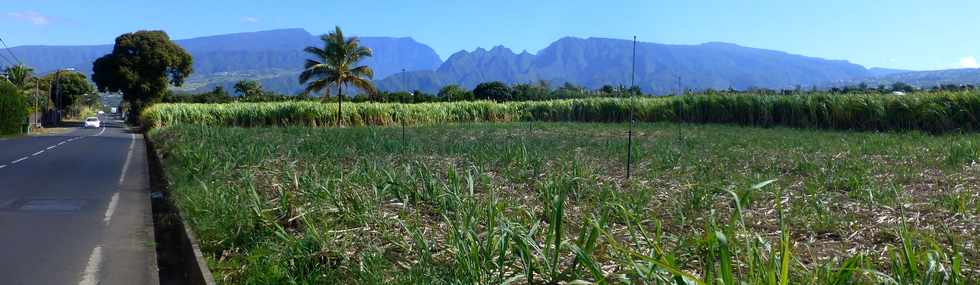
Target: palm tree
(335,65)
(20,75)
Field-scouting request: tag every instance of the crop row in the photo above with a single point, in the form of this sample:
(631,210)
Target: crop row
(934,112)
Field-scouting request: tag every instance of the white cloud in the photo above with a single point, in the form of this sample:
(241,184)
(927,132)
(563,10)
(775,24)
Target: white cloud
(30,16)
(250,20)
(969,62)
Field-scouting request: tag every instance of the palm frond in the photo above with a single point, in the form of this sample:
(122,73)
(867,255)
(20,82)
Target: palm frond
(363,84)
(318,86)
(316,52)
(362,71)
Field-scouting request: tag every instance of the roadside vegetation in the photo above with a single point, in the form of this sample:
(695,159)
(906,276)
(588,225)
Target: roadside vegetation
(547,202)
(24,93)
(13,109)
(933,112)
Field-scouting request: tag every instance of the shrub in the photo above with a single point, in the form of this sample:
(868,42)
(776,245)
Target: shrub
(13,109)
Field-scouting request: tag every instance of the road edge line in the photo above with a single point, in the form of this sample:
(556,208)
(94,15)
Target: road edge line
(91,273)
(111,209)
(129,157)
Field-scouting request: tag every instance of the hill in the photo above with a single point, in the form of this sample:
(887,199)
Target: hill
(925,79)
(660,68)
(264,54)
(275,57)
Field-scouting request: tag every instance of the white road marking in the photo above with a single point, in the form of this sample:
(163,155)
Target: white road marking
(37,153)
(2,166)
(50,147)
(129,156)
(111,209)
(62,142)
(19,160)
(91,274)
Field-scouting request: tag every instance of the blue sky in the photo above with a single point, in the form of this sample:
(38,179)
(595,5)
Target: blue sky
(891,33)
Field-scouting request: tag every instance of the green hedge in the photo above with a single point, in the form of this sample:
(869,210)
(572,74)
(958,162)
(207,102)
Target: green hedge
(13,109)
(931,112)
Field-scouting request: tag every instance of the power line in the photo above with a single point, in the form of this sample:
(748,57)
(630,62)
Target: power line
(10,52)
(6,60)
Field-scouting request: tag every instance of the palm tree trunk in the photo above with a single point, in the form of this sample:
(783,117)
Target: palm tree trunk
(340,102)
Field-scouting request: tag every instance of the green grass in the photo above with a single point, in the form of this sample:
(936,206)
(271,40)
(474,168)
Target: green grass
(505,203)
(934,112)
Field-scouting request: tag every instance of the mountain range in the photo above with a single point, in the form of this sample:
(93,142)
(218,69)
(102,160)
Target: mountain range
(962,76)
(275,58)
(267,55)
(594,62)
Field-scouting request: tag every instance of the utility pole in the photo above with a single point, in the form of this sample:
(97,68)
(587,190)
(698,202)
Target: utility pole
(47,104)
(680,87)
(37,87)
(57,94)
(629,146)
(57,84)
(405,85)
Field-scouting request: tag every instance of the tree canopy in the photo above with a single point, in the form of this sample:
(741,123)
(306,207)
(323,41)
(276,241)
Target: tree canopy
(496,90)
(141,66)
(67,87)
(249,89)
(452,92)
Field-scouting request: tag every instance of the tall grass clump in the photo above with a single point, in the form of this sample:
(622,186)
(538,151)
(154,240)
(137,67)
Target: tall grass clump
(934,112)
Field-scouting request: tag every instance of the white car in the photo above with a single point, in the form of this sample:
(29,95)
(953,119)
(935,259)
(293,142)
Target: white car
(92,122)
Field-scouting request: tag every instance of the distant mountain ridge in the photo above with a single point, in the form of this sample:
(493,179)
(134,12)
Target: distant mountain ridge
(660,68)
(924,79)
(275,58)
(878,71)
(240,52)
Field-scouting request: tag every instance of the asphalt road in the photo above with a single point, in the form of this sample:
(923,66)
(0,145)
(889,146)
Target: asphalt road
(75,209)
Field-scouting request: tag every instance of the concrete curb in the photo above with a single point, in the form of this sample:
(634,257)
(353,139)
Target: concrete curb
(203,273)
(179,255)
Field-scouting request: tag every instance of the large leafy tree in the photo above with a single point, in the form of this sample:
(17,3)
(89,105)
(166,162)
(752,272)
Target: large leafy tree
(452,92)
(67,87)
(496,90)
(335,65)
(141,66)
